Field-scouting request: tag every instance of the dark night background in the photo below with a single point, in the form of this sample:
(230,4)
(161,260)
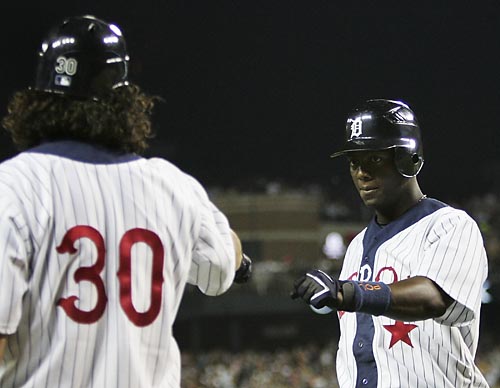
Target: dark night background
(260,89)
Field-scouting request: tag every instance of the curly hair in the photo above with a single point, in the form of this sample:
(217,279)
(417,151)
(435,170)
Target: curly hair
(121,120)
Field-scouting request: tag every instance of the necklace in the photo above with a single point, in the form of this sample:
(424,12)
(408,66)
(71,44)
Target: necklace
(424,196)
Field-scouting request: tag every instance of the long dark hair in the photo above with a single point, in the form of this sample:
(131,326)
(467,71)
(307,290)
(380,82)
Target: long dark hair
(121,120)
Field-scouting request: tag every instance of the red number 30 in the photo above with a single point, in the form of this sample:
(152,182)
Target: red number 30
(92,274)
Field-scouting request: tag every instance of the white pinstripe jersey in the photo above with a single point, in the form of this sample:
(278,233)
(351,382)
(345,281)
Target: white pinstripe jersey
(443,244)
(95,252)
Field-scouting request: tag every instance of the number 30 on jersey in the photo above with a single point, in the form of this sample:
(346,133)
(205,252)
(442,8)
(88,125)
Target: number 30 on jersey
(92,274)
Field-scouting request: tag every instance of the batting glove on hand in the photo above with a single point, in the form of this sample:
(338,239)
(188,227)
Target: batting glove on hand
(244,273)
(317,289)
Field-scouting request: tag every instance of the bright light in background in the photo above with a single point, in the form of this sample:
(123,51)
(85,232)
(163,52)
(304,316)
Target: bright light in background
(334,247)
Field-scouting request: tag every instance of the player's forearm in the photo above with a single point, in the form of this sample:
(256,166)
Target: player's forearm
(412,299)
(3,343)
(237,249)
(416,299)
(243,262)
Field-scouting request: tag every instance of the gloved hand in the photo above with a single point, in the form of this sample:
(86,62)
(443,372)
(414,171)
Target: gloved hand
(317,289)
(244,273)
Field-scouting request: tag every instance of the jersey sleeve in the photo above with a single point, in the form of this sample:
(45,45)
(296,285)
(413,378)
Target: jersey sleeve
(14,256)
(455,258)
(213,266)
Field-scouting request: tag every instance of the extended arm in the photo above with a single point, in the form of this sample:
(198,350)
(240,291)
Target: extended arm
(243,262)
(3,343)
(412,299)
(416,299)
(237,249)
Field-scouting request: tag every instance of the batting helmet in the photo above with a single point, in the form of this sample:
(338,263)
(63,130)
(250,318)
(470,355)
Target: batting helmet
(82,57)
(384,124)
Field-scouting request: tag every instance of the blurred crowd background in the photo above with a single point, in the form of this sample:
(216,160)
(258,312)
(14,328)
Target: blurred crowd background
(255,336)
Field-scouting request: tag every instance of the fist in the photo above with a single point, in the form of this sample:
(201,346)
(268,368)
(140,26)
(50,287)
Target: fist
(244,273)
(317,289)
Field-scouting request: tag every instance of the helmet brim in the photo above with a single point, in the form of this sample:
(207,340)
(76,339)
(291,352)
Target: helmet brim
(371,144)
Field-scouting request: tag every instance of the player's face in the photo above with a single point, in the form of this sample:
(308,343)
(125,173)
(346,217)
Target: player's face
(377,180)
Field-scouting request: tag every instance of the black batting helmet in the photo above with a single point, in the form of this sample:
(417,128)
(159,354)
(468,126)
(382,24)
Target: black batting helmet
(82,57)
(384,124)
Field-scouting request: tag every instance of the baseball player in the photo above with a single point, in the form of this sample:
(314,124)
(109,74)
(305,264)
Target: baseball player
(408,296)
(96,242)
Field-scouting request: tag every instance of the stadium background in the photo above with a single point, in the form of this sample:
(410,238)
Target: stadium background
(255,95)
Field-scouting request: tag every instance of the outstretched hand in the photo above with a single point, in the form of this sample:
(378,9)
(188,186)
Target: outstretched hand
(317,289)
(244,273)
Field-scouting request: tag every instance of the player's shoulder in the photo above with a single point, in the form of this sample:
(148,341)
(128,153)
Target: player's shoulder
(16,174)
(168,169)
(450,217)
(165,165)
(16,166)
(452,213)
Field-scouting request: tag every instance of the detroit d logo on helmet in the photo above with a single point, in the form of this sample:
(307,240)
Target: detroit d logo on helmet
(356,127)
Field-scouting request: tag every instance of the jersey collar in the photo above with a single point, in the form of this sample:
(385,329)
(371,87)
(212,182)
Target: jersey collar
(83,152)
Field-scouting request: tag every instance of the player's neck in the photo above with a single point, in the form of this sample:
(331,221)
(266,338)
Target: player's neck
(405,202)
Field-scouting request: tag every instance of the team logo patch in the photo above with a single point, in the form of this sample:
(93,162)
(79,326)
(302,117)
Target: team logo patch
(356,127)
(62,80)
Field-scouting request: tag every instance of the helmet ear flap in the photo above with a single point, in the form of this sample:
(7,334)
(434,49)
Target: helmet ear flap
(407,162)
(415,158)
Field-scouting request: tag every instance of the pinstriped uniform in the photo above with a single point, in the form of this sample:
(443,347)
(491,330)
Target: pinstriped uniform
(431,240)
(95,252)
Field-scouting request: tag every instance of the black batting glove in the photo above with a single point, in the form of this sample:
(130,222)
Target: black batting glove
(244,273)
(317,289)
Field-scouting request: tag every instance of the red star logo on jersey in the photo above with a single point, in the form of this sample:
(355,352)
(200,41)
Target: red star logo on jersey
(400,332)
